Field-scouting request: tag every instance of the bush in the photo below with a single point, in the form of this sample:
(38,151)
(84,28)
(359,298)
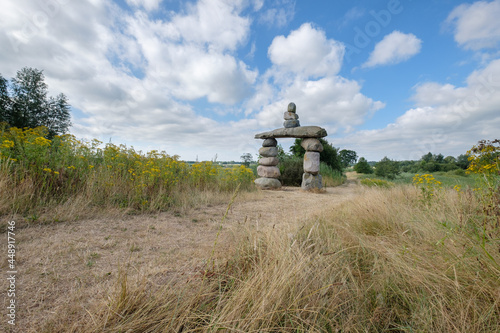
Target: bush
(329,155)
(373,182)
(387,168)
(291,169)
(363,167)
(459,172)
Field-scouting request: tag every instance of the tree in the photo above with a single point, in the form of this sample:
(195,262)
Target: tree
(439,158)
(29,105)
(247,159)
(450,160)
(427,157)
(329,155)
(387,168)
(463,161)
(348,157)
(4,99)
(363,167)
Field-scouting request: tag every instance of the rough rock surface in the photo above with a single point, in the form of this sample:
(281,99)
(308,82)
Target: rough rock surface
(267,183)
(271,142)
(311,144)
(311,162)
(295,132)
(268,171)
(310,182)
(269,161)
(291,123)
(290,116)
(268,151)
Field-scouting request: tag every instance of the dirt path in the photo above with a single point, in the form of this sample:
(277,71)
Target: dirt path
(64,267)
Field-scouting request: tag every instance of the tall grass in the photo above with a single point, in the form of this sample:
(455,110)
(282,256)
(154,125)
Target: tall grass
(331,177)
(448,179)
(382,262)
(38,174)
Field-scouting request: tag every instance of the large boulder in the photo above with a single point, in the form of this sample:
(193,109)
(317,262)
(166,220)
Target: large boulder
(311,144)
(311,182)
(294,132)
(267,183)
(271,142)
(269,161)
(268,151)
(311,162)
(268,171)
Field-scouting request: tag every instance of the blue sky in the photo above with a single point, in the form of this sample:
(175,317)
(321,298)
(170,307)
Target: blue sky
(396,78)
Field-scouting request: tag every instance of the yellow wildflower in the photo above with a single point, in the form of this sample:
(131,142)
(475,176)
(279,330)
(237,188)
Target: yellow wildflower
(41,141)
(7,144)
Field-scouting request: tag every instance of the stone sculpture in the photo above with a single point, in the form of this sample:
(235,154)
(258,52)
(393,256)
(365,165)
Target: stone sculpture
(268,170)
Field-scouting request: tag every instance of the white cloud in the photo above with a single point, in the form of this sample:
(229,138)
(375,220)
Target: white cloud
(305,71)
(213,22)
(91,50)
(332,102)
(350,16)
(476,25)
(447,119)
(149,5)
(280,14)
(394,48)
(308,52)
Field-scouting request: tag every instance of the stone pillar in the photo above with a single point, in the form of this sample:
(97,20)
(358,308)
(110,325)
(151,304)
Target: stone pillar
(267,169)
(311,179)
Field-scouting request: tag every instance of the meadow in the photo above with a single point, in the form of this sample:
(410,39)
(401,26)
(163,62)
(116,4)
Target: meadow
(407,265)
(63,178)
(420,255)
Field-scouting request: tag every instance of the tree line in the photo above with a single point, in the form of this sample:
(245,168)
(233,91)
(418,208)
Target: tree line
(428,163)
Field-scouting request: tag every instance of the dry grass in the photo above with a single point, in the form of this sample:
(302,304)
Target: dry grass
(381,262)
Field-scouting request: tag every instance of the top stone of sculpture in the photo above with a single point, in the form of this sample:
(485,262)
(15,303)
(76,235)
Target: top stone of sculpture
(291,117)
(292,128)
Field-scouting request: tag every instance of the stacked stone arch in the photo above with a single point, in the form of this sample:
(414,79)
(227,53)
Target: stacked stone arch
(268,170)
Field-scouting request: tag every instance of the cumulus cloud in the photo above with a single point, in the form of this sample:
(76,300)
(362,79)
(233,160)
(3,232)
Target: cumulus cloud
(305,71)
(332,102)
(394,48)
(131,77)
(307,51)
(134,79)
(446,119)
(215,23)
(476,26)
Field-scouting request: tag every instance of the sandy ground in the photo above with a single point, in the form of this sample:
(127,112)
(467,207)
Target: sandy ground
(64,267)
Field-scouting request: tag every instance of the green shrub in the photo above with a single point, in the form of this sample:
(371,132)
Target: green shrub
(387,168)
(363,167)
(459,172)
(291,169)
(331,177)
(373,182)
